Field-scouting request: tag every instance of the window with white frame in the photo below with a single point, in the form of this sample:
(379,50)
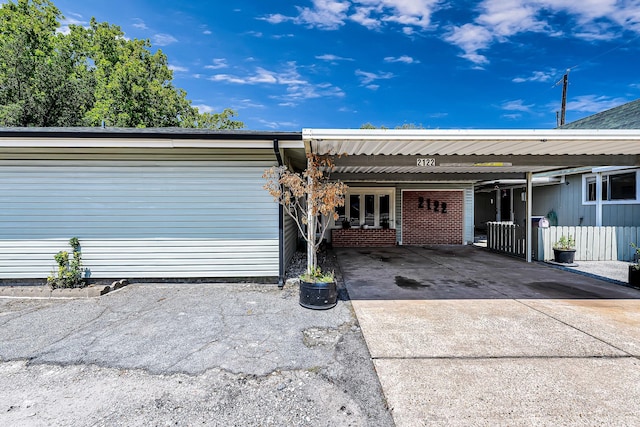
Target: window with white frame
(617,187)
(370,207)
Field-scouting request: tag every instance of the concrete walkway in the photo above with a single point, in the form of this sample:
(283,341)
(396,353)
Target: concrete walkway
(461,336)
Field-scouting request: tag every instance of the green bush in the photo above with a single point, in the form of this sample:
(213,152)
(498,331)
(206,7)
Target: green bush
(69,273)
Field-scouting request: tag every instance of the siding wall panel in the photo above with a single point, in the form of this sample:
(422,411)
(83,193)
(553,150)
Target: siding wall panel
(139,219)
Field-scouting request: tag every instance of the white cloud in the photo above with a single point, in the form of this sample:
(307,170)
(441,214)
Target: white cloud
(537,76)
(593,103)
(325,14)
(372,87)
(205,108)
(228,78)
(516,105)
(332,58)
(372,14)
(471,38)
(162,39)
(501,19)
(363,17)
(276,18)
(296,87)
(139,23)
(278,125)
(207,32)
(218,63)
(367,77)
(178,69)
(493,21)
(404,58)
(408,13)
(512,116)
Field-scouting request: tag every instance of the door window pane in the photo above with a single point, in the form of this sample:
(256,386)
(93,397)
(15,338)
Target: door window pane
(384,209)
(369,210)
(354,210)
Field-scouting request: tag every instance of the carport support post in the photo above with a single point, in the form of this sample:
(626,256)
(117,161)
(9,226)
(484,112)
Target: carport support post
(311,223)
(529,226)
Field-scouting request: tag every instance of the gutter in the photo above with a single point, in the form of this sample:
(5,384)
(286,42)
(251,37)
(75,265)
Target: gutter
(281,265)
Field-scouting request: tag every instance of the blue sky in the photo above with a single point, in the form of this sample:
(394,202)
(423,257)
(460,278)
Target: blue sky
(285,65)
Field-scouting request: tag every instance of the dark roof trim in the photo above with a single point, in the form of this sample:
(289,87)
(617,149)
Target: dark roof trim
(159,133)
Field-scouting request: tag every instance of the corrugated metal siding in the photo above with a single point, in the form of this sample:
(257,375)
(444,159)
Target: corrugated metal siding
(139,219)
(468,204)
(468,232)
(290,238)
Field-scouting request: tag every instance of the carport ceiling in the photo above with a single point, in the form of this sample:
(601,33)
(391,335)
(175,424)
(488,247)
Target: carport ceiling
(469,155)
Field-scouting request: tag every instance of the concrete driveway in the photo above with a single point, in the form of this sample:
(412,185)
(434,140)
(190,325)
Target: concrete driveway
(462,336)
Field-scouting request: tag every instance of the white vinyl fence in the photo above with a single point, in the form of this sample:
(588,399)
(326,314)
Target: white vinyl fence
(592,243)
(507,237)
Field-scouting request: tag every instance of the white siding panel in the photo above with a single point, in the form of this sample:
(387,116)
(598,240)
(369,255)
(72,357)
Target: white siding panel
(137,220)
(290,237)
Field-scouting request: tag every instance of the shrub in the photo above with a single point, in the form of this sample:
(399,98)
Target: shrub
(69,273)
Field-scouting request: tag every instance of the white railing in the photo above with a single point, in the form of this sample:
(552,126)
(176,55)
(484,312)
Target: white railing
(507,237)
(592,243)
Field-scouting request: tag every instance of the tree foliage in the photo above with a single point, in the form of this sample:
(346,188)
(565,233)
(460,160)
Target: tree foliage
(87,76)
(305,196)
(368,125)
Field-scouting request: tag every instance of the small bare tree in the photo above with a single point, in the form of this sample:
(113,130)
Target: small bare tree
(304,196)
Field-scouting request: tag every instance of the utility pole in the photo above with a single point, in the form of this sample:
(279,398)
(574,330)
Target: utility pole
(563,110)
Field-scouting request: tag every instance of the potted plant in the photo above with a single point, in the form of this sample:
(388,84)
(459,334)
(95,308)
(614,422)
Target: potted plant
(305,196)
(564,250)
(634,269)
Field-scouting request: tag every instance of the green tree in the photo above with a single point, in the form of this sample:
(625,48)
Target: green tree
(88,76)
(368,125)
(39,85)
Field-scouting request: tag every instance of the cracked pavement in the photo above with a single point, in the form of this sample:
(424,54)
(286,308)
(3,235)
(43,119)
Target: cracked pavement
(218,354)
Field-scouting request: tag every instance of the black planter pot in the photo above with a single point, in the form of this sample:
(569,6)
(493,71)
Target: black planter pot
(318,295)
(564,256)
(634,276)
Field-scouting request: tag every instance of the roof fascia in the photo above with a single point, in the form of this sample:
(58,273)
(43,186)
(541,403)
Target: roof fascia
(468,134)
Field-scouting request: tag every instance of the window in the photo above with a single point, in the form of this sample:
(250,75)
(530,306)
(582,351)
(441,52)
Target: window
(623,186)
(591,188)
(370,207)
(617,187)
(354,210)
(370,210)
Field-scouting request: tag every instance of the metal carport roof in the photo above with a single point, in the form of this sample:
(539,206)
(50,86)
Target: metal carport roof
(505,153)
(471,155)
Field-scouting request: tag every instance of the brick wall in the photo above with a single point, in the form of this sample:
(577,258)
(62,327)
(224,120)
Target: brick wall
(423,219)
(357,237)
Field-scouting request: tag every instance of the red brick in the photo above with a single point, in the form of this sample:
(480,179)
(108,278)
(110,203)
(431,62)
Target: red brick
(422,226)
(357,237)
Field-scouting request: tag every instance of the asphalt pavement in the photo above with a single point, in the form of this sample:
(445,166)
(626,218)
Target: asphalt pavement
(185,354)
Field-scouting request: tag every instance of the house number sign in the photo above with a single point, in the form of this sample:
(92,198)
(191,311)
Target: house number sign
(428,162)
(432,205)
